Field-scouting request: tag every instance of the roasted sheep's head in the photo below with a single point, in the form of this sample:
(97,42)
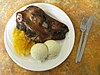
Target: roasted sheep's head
(38,26)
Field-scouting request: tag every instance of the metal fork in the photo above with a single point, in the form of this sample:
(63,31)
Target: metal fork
(82,28)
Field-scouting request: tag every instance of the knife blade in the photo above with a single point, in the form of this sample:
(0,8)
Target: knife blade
(89,25)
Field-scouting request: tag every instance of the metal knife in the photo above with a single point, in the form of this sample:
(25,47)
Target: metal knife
(89,25)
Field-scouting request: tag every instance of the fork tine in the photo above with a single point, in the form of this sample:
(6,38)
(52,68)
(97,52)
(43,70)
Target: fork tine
(82,22)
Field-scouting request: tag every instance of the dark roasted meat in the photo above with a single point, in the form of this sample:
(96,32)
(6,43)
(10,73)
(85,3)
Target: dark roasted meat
(38,26)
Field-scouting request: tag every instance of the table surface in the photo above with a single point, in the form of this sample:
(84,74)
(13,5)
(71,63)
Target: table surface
(90,64)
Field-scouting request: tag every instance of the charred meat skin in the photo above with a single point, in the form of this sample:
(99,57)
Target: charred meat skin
(38,26)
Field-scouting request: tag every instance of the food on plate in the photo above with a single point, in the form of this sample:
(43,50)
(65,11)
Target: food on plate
(22,44)
(53,48)
(33,25)
(39,52)
(42,51)
(39,26)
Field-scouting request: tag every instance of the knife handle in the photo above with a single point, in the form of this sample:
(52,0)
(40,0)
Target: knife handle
(83,47)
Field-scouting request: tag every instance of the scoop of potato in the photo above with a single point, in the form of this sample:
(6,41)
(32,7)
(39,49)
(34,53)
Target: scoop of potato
(53,48)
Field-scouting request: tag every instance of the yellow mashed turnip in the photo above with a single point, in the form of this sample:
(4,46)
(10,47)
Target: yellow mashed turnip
(22,44)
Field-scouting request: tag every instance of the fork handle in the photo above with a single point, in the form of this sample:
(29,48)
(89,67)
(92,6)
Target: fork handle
(83,47)
(79,46)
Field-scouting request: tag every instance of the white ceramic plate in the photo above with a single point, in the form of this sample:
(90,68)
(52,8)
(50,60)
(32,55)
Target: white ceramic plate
(66,45)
